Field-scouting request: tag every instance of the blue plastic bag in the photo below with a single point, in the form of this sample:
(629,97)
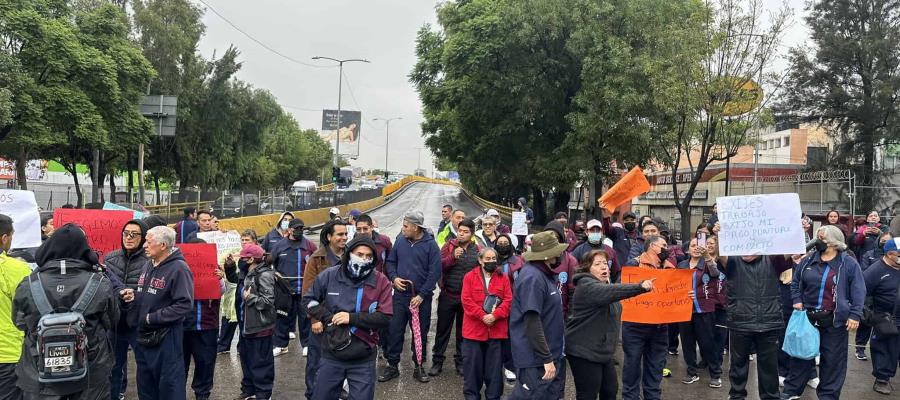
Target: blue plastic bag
(802,338)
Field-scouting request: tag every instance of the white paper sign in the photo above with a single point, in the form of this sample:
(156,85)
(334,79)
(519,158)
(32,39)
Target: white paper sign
(226,242)
(519,227)
(766,224)
(21,206)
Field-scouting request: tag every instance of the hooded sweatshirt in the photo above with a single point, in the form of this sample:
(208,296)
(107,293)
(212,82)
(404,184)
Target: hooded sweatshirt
(165,292)
(418,261)
(128,266)
(275,235)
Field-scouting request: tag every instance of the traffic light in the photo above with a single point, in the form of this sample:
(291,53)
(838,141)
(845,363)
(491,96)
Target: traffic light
(335,173)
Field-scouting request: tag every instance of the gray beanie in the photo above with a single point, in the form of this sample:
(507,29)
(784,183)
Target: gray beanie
(834,237)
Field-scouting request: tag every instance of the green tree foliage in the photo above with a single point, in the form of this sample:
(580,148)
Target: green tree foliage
(290,154)
(849,81)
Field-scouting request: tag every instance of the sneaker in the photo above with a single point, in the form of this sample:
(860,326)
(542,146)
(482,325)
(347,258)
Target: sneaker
(781,380)
(420,375)
(715,383)
(785,396)
(883,387)
(389,372)
(121,396)
(305,351)
(509,375)
(724,352)
(752,357)
(292,335)
(813,383)
(279,351)
(690,379)
(345,391)
(667,373)
(245,396)
(861,355)
(673,352)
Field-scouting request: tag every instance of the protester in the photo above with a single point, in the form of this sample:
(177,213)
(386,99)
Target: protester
(164,298)
(563,218)
(565,268)
(257,325)
(446,212)
(712,246)
(289,257)
(536,327)
(46,225)
(864,332)
(366,226)
(279,232)
(522,206)
(833,217)
(648,228)
(830,287)
(458,257)
(449,231)
(12,272)
(352,217)
(127,264)
(486,298)
(501,227)
(356,301)
(333,240)
(66,281)
(622,238)
(334,213)
(754,319)
(205,223)
(867,236)
(187,226)
(487,235)
(595,242)
(700,331)
(414,268)
(592,332)
(883,287)
(229,308)
(645,345)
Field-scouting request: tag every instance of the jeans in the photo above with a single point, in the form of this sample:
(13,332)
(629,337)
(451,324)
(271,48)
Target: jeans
(118,379)
(767,345)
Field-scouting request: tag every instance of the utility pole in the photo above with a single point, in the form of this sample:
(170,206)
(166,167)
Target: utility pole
(337,138)
(387,132)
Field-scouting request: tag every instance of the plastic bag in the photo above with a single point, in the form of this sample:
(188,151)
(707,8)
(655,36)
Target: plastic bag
(802,338)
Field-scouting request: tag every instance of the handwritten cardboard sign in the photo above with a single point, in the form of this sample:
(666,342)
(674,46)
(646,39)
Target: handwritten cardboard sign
(765,224)
(226,243)
(519,224)
(668,302)
(201,257)
(21,206)
(102,227)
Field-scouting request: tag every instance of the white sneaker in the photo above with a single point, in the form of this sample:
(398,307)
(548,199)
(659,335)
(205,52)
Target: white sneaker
(813,383)
(277,351)
(346,386)
(305,351)
(510,376)
(752,357)
(781,380)
(817,361)
(292,335)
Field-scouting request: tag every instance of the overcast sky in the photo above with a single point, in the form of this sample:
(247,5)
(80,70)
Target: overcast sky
(381,31)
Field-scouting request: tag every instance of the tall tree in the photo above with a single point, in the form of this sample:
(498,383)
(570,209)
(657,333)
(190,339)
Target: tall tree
(849,81)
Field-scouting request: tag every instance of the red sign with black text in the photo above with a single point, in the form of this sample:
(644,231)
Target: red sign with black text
(102,227)
(203,261)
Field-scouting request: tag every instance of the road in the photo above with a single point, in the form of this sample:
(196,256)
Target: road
(289,382)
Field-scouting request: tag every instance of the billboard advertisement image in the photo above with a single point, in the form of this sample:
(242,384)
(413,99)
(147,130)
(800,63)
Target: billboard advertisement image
(347,131)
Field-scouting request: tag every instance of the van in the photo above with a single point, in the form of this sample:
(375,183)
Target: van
(303,186)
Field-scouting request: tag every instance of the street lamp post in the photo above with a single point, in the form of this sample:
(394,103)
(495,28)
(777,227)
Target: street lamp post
(387,132)
(337,138)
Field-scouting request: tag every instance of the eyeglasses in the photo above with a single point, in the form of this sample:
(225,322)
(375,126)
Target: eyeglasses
(130,234)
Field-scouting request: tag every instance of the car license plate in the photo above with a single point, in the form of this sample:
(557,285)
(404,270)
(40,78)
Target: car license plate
(57,361)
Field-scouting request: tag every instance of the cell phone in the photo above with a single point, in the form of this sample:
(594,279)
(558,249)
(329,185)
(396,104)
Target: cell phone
(870,224)
(701,239)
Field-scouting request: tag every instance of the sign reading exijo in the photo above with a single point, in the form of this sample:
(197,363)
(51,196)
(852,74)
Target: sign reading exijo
(766,224)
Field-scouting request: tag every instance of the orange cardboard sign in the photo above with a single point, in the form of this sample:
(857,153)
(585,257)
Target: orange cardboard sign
(632,185)
(668,302)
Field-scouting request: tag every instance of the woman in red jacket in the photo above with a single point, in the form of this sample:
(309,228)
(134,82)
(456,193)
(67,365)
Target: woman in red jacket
(486,299)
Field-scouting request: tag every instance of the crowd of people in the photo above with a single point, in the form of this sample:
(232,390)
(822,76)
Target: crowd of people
(522,310)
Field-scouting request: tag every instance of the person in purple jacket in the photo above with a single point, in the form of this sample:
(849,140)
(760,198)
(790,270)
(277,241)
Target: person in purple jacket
(164,297)
(701,329)
(355,300)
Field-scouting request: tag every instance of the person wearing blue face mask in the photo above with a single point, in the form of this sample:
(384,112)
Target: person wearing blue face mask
(595,242)
(279,232)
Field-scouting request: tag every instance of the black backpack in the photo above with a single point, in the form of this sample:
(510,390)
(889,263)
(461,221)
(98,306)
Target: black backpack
(62,343)
(283,296)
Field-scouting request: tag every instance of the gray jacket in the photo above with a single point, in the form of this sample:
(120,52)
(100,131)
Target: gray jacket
(259,306)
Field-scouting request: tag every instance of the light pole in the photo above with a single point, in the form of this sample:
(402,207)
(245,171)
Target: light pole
(337,138)
(387,132)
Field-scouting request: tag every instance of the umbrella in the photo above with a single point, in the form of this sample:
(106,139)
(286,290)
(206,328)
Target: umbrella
(416,328)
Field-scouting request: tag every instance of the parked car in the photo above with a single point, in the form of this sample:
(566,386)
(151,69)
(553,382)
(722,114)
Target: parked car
(235,205)
(275,204)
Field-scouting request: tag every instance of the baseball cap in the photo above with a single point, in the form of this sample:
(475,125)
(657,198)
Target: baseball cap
(594,224)
(416,218)
(355,213)
(334,210)
(295,223)
(252,251)
(493,213)
(892,245)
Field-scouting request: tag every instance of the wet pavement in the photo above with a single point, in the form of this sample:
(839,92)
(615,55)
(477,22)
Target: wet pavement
(289,368)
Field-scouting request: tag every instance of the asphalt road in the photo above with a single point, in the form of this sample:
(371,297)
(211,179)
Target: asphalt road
(289,368)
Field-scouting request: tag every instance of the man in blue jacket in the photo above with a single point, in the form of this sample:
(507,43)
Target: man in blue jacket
(289,257)
(414,268)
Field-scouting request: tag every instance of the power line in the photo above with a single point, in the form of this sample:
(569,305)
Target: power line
(265,46)
(301,108)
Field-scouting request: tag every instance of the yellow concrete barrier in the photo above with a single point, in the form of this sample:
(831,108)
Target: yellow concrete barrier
(504,210)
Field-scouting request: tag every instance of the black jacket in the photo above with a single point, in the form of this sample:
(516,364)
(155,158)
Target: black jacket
(259,307)
(753,300)
(128,267)
(592,332)
(62,291)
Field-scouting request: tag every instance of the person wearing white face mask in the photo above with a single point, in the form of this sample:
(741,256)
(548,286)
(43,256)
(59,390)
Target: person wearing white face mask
(279,232)
(595,242)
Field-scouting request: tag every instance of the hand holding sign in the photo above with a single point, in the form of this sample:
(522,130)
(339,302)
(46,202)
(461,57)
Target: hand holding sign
(760,225)
(669,301)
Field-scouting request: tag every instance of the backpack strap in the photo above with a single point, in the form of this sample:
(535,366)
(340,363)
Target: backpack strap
(87,296)
(39,295)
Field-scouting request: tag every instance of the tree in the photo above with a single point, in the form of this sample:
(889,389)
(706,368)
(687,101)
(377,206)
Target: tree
(849,81)
(703,110)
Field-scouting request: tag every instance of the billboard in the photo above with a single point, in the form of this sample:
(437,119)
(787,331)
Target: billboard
(347,130)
